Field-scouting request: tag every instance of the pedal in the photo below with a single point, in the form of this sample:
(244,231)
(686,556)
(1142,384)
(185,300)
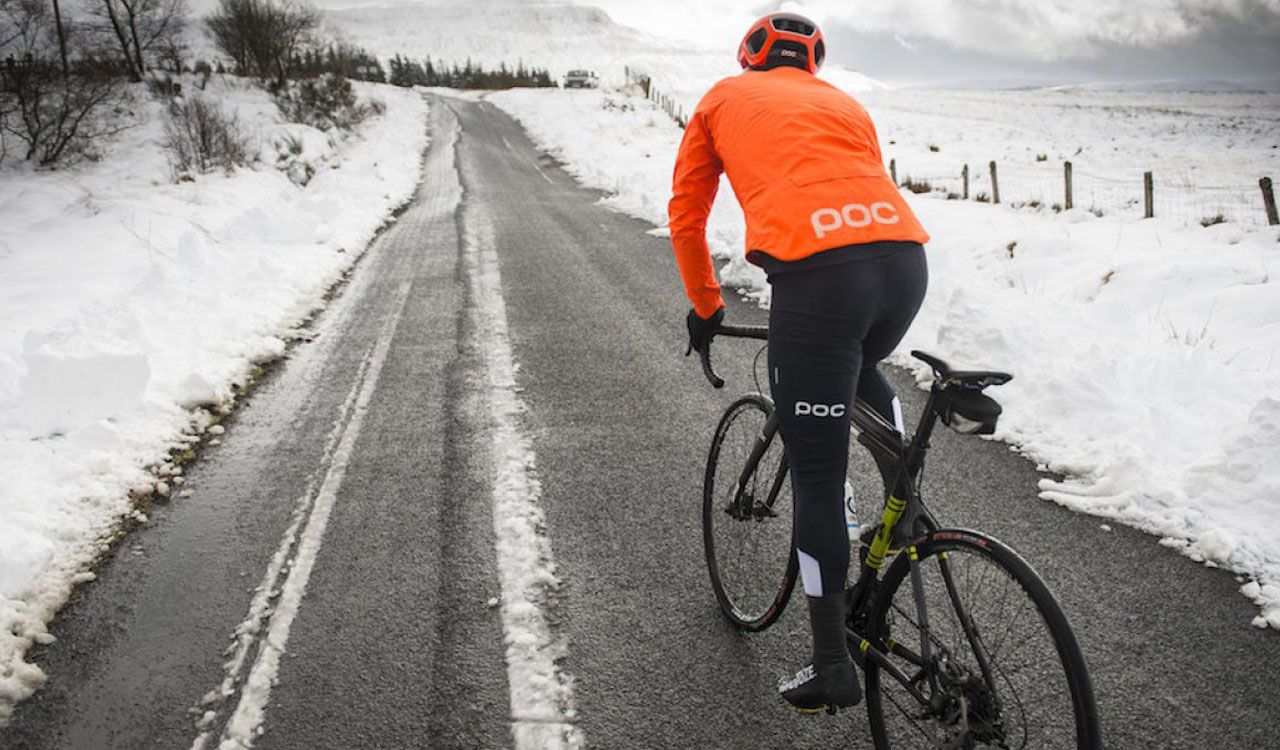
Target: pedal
(811,711)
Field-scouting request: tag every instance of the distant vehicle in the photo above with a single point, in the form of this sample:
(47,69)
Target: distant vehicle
(580,79)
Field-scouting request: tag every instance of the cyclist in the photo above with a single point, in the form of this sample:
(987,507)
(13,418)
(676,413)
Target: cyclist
(844,256)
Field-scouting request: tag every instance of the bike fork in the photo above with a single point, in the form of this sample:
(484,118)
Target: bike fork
(763,441)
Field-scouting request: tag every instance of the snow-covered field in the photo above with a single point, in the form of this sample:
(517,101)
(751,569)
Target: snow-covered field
(131,305)
(1206,150)
(1147,353)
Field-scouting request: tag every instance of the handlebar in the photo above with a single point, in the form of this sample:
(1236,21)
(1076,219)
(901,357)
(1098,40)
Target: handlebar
(760,333)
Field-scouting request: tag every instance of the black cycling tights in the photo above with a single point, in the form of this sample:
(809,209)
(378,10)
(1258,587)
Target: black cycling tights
(828,328)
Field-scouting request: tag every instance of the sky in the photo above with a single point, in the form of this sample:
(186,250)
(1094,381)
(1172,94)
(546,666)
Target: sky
(987,42)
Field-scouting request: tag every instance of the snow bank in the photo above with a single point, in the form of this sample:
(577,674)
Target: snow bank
(1147,353)
(127,300)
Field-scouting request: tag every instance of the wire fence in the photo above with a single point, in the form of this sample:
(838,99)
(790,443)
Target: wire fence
(1178,197)
(666,102)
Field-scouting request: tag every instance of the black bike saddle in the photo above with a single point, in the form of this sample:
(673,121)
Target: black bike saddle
(967,378)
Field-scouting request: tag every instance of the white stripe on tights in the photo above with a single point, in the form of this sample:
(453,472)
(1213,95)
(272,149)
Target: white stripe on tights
(810,573)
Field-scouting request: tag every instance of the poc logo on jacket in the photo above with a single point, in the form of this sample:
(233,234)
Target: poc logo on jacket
(855,215)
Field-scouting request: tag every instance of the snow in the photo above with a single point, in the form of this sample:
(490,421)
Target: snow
(1147,352)
(129,308)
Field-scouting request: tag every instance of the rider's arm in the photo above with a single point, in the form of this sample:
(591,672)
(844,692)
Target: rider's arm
(693,190)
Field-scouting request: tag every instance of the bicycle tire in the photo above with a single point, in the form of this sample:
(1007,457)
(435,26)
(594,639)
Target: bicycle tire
(748,598)
(1002,712)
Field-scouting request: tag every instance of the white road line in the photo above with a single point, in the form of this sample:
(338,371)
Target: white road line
(296,555)
(541,696)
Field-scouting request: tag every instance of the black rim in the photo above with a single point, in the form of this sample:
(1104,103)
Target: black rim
(747,542)
(1009,670)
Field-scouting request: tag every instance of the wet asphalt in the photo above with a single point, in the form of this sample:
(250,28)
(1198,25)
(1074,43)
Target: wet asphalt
(395,644)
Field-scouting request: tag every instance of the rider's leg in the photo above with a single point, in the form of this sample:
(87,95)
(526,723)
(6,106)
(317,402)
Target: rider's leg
(813,367)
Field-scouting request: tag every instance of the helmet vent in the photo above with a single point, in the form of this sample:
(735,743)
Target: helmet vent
(793,25)
(756,41)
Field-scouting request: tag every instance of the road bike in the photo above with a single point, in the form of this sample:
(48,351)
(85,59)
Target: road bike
(961,643)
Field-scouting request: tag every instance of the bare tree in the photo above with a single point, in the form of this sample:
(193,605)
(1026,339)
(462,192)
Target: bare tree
(56,117)
(145,31)
(263,37)
(58,99)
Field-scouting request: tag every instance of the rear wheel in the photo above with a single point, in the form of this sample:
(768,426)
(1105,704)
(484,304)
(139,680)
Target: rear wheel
(1007,670)
(747,534)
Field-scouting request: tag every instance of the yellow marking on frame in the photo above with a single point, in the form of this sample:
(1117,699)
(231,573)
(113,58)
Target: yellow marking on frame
(864,645)
(880,545)
(912,551)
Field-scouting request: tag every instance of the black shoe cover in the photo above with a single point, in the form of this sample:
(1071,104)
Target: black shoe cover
(830,681)
(811,692)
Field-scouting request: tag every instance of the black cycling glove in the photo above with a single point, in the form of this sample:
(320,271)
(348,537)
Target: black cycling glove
(700,329)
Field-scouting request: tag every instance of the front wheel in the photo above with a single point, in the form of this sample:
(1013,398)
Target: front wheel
(983,654)
(746,526)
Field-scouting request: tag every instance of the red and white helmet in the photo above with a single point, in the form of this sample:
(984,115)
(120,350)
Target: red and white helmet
(783,39)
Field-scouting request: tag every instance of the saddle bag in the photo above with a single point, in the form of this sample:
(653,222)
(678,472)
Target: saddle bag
(969,411)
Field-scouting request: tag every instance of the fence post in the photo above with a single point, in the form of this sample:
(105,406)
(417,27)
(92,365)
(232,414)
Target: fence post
(995,184)
(1269,201)
(964,173)
(1069,202)
(893,170)
(1148,195)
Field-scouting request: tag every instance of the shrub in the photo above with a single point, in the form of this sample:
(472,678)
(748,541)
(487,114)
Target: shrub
(1209,221)
(302,151)
(934,148)
(328,102)
(200,137)
(917,186)
(164,88)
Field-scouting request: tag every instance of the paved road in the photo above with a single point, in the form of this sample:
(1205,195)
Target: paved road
(382,427)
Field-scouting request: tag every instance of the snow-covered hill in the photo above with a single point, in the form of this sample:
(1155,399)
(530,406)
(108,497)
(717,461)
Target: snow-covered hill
(555,36)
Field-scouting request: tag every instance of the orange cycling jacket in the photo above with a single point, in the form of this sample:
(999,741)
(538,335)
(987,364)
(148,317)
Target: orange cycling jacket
(804,161)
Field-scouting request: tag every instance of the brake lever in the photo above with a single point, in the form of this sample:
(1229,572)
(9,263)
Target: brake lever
(704,354)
